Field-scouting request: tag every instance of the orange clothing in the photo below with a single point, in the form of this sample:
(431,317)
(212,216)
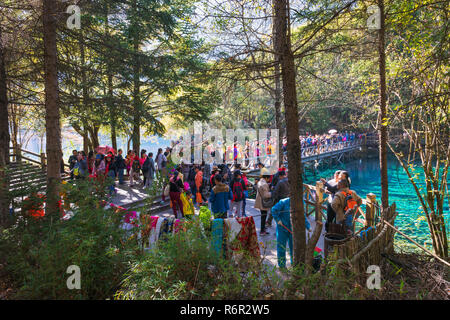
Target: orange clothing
(198,184)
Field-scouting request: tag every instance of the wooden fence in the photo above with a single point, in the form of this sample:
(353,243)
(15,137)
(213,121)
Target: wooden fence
(18,154)
(366,246)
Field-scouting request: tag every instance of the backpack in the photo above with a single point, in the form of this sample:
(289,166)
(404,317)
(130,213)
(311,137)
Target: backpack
(136,166)
(146,165)
(238,191)
(350,202)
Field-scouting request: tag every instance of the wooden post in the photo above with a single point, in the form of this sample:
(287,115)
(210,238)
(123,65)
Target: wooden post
(43,161)
(370,210)
(319,200)
(18,152)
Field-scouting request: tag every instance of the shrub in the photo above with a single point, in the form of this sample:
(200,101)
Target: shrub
(186,267)
(37,252)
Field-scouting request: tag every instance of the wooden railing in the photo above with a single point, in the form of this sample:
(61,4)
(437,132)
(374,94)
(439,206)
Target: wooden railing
(315,200)
(326,148)
(18,154)
(356,252)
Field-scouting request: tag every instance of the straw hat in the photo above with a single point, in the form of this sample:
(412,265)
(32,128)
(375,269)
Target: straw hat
(245,170)
(264,172)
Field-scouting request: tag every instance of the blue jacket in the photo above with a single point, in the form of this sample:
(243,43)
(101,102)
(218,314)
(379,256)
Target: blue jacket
(281,211)
(219,197)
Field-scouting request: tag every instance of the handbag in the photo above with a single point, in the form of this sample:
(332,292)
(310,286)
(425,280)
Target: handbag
(267,203)
(166,190)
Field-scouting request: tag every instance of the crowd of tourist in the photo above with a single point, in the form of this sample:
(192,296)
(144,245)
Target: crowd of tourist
(222,188)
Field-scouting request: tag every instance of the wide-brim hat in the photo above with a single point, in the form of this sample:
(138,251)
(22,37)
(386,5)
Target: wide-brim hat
(264,172)
(245,170)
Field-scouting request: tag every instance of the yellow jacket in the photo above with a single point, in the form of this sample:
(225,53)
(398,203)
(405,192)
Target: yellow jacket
(188,205)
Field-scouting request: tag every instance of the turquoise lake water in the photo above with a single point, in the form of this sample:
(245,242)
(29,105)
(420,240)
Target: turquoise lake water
(365,177)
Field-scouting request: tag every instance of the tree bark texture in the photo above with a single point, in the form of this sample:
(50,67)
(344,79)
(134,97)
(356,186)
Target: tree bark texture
(382,123)
(284,51)
(4,140)
(52,112)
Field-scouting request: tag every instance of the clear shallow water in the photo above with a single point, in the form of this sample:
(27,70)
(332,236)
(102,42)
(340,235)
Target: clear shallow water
(365,176)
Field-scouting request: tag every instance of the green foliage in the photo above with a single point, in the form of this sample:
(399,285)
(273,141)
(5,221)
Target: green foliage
(37,252)
(186,267)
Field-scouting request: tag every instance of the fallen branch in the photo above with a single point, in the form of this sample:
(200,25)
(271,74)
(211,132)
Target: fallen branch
(424,249)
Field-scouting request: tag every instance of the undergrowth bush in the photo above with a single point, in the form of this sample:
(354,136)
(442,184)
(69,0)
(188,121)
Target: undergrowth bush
(186,267)
(37,251)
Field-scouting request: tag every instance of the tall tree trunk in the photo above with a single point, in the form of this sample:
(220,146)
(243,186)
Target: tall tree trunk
(283,49)
(4,126)
(136,88)
(277,98)
(93,131)
(136,106)
(112,109)
(86,97)
(4,140)
(85,141)
(111,104)
(52,114)
(278,119)
(382,123)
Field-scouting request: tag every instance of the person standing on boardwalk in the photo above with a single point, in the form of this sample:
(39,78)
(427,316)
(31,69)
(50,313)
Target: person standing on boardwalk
(110,171)
(141,162)
(281,212)
(219,197)
(72,162)
(281,189)
(238,188)
(148,170)
(120,166)
(161,162)
(263,194)
(199,185)
(176,187)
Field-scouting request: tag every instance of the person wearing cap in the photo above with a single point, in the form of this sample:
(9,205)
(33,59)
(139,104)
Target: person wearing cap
(238,188)
(99,166)
(263,192)
(276,177)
